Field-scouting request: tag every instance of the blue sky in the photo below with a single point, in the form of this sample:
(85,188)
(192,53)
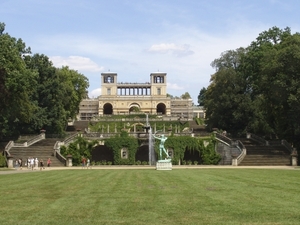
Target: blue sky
(137,37)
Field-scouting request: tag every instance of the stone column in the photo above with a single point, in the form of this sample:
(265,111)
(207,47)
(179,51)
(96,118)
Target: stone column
(234,160)
(69,162)
(10,162)
(294,160)
(294,156)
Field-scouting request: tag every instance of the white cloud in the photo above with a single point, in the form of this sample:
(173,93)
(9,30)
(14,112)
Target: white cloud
(177,50)
(76,62)
(95,93)
(174,87)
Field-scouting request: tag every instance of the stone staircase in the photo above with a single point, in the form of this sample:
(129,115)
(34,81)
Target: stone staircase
(41,150)
(198,129)
(226,152)
(81,125)
(263,155)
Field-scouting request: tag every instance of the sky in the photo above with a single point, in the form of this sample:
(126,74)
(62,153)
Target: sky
(137,37)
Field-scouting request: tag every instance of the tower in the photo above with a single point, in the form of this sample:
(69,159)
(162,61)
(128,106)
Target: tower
(109,84)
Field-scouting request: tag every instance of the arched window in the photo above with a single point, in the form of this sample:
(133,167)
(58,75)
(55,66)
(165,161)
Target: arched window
(158,79)
(108,79)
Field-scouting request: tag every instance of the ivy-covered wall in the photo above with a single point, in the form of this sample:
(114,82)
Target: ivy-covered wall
(204,146)
(123,141)
(180,145)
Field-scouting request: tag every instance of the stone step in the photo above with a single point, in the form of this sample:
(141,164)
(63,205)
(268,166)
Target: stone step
(259,154)
(41,150)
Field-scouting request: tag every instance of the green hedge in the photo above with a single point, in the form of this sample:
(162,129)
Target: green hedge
(2,160)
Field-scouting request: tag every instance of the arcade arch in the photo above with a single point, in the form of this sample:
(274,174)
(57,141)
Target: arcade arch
(108,109)
(134,107)
(161,108)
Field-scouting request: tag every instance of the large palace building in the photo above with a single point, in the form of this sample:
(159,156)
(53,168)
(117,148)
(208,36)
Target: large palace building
(121,98)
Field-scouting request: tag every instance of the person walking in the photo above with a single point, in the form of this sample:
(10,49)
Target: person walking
(83,161)
(48,162)
(42,164)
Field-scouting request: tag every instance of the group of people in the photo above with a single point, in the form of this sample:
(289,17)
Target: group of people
(85,163)
(32,163)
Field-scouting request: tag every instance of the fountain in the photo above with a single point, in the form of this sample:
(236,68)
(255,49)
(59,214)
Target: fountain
(161,164)
(152,157)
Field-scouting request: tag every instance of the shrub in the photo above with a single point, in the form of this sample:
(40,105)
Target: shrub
(2,161)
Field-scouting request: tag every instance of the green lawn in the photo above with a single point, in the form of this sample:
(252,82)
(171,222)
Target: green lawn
(180,196)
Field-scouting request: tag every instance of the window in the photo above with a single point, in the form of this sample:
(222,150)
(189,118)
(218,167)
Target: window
(108,91)
(158,79)
(158,91)
(108,79)
(124,153)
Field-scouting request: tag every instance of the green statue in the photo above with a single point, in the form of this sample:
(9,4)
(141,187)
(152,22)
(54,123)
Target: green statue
(162,139)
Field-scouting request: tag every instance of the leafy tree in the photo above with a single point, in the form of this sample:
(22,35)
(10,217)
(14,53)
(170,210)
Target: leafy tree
(229,59)
(58,94)
(263,98)
(186,95)
(33,93)
(78,149)
(201,96)
(170,96)
(281,90)
(256,52)
(227,105)
(17,85)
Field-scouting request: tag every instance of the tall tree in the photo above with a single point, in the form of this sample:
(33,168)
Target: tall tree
(58,94)
(201,97)
(226,104)
(17,84)
(186,95)
(281,90)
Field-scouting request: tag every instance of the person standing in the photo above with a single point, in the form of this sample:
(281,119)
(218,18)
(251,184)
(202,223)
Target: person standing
(28,163)
(83,161)
(20,163)
(36,163)
(48,162)
(88,163)
(17,164)
(42,164)
(32,163)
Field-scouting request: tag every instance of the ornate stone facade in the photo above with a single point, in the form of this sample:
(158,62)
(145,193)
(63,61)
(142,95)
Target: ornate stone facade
(121,98)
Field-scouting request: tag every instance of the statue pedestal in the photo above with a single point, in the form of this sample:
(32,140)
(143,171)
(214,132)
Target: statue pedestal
(164,164)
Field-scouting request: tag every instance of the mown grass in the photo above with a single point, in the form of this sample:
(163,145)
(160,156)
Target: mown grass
(180,196)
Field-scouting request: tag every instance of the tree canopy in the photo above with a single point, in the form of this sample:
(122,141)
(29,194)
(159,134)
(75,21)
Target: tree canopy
(256,88)
(34,94)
